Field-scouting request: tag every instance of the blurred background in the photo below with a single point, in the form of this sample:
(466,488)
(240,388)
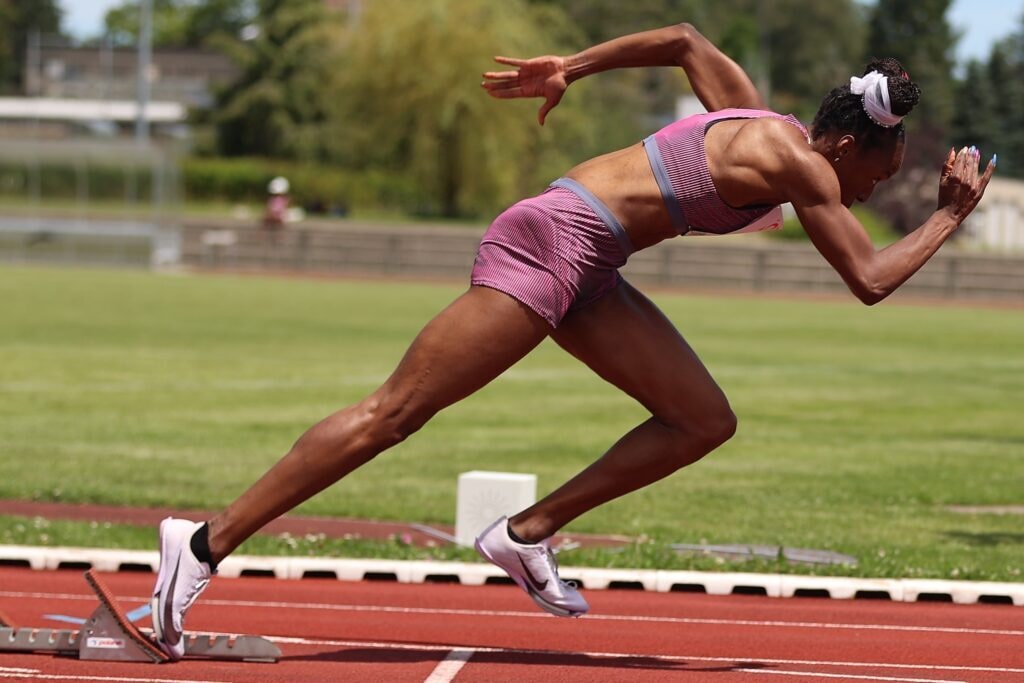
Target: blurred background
(159,125)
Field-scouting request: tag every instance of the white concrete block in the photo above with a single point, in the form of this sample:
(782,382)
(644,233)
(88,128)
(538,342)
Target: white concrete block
(483,497)
(668,578)
(37,558)
(602,579)
(473,574)
(355,570)
(962,593)
(837,589)
(235,565)
(840,588)
(770,583)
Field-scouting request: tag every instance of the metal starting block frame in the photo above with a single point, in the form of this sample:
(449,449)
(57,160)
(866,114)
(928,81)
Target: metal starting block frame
(109,635)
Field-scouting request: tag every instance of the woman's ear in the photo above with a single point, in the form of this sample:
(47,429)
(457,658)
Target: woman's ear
(844,146)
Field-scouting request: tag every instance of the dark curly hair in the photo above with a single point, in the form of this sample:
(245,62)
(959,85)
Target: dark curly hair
(843,111)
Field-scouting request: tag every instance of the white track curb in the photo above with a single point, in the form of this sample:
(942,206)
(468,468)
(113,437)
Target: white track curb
(474,574)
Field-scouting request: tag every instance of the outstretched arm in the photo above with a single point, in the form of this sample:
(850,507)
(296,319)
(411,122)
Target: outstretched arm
(873,275)
(716,79)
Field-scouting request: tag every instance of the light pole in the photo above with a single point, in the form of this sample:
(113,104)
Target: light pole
(142,84)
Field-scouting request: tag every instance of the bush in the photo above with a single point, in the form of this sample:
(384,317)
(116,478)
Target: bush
(878,228)
(65,180)
(316,187)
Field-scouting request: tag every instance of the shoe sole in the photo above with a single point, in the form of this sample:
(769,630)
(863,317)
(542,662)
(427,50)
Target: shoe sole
(540,601)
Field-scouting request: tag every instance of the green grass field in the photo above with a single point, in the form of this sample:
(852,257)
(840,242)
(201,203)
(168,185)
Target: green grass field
(857,425)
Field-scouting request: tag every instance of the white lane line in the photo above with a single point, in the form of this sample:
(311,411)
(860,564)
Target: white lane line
(610,617)
(449,668)
(49,596)
(16,670)
(807,674)
(745,659)
(537,614)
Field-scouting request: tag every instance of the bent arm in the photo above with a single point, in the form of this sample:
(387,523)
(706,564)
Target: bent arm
(874,274)
(871,274)
(717,81)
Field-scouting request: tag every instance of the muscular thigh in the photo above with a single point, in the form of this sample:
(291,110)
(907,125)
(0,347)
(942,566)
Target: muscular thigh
(628,341)
(464,347)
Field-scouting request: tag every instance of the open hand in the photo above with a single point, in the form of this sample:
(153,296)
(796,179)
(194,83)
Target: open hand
(960,185)
(537,77)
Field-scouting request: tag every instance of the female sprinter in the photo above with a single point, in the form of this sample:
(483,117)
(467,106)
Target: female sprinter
(547,267)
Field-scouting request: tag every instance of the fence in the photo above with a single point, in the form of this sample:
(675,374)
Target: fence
(84,202)
(738,263)
(106,242)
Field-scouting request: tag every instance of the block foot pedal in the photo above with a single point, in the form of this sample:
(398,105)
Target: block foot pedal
(109,635)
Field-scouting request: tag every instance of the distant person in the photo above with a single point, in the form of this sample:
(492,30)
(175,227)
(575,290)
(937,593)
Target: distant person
(548,266)
(275,214)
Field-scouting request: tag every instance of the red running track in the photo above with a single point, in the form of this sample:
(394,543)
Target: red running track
(332,631)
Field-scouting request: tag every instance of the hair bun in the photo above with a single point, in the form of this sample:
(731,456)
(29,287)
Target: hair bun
(904,94)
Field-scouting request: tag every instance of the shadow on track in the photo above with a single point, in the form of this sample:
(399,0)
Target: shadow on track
(409,655)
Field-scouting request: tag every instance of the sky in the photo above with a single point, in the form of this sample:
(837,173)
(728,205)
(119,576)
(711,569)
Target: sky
(982,22)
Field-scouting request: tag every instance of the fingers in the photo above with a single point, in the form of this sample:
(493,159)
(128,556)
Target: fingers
(548,105)
(501,85)
(947,166)
(505,89)
(505,93)
(964,180)
(960,165)
(501,74)
(511,61)
(965,168)
(986,176)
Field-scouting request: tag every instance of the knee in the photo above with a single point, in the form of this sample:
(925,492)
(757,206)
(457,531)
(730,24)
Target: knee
(699,434)
(715,429)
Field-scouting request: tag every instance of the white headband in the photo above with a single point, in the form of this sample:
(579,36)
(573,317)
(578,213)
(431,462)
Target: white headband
(874,87)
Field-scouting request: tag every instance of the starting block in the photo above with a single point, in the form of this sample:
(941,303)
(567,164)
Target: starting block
(110,635)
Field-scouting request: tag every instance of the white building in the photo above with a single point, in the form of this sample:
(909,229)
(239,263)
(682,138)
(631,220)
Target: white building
(998,222)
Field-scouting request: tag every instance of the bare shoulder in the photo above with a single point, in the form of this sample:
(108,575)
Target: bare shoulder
(791,165)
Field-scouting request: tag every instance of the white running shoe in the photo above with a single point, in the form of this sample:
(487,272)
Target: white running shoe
(182,577)
(533,567)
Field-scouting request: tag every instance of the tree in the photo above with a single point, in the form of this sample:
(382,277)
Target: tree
(278,106)
(795,51)
(1006,78)
(122,23)
(180,23)
(990,105)
(976,119)
(917,33)
(408,101)
(19,19)
(442,134)
(813,47)
(209,18)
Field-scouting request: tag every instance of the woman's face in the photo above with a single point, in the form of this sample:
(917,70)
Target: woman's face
(860,169)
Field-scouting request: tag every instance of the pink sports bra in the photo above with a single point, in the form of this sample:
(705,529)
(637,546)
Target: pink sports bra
(680,165)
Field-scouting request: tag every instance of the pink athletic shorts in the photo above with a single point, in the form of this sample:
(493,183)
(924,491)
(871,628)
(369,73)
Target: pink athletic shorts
(556,252)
